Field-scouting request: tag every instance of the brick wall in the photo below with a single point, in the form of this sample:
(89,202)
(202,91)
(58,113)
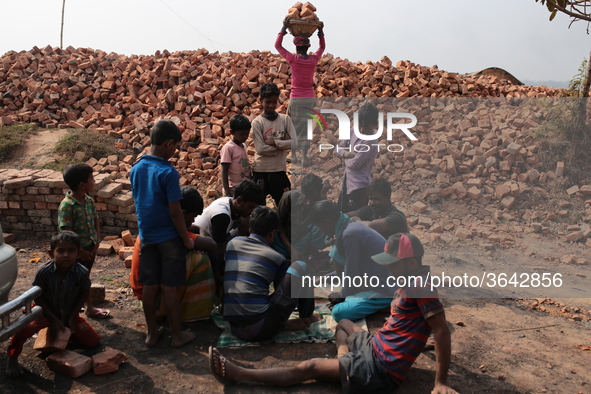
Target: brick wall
(29,200)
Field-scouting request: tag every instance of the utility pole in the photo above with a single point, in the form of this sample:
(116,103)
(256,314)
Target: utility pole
(62,29)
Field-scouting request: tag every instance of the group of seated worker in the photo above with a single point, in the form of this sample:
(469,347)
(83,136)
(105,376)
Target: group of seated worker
(251,265)
(366,363)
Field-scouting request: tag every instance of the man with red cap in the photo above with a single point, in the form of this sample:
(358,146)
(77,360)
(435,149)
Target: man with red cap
(377,364)
(303,67)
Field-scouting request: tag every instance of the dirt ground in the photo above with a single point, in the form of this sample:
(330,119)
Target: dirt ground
(534,341)
(502,345)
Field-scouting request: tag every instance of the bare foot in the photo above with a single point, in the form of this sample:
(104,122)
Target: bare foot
(313,319)
(222,369)
(186,337)
(152,340)
(13,368)
(298,324)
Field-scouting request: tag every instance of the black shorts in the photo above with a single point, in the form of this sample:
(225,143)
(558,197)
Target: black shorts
(273,183)
(361,371)
(164,263)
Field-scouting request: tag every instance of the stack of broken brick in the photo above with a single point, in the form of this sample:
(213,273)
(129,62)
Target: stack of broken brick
(200,91)
(30,198)
(480,155)
(74,364)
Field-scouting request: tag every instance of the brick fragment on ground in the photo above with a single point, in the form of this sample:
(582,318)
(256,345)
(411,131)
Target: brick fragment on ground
(107,361)
(69,363)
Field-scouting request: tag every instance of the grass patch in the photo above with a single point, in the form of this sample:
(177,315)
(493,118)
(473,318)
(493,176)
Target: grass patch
(11,137)
(91,143)
(565,137)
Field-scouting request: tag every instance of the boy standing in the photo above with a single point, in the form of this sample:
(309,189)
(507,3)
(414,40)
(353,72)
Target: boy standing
(163,234)
(77,213)
(272,134)
(234,158)
(65,286)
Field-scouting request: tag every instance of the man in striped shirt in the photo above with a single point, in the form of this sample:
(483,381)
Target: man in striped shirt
(251,266)
(380,363)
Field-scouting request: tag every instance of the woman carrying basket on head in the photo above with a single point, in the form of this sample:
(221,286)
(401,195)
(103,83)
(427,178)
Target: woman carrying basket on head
(303,67)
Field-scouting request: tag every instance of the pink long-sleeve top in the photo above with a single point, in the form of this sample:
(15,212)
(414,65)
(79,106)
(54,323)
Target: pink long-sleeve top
(302,68)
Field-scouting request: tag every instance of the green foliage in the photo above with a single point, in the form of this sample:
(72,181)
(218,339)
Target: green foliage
(576,9)
(575,85)
(11,137)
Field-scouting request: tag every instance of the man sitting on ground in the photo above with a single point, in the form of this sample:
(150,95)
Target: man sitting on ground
(354,244)
(367,364)
(380,214)
(251,266)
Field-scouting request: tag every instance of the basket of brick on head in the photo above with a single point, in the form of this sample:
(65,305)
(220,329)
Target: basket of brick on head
(302,19)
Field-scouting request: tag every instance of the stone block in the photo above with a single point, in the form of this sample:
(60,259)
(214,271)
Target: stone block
(572,190)
(60,342)
(107,361)
(117,245)
(128,261)
(508,202)
(127,238)
(97,293)
(418,207)
(110,190)
(125,251)
(104,249)
(69,363)
(462,233)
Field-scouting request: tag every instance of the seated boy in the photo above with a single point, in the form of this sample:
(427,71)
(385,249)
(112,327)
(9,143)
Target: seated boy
(354,244)
(251,266)
(221,219)
(233,156)
(367,364)
(65,285)
(381,214)
(199,274)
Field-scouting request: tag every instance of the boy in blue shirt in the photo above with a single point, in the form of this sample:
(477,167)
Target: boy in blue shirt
(163,234)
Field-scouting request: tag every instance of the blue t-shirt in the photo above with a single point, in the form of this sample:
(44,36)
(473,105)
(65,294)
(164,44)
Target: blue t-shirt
(155,184)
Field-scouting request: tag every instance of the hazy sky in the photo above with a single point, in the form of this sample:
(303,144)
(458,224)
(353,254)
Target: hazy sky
(457,35)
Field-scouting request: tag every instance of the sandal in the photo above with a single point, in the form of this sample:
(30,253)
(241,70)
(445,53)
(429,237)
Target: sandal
(222,367)
(100,314)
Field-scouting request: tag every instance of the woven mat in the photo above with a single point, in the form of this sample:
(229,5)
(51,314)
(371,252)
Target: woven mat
(319,332)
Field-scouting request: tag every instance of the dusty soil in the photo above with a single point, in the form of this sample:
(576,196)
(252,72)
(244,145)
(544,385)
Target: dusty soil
(500,345)
(503,341)
(37,151)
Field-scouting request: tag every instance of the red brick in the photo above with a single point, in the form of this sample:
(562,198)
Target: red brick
(69,363)
(61,341)
(107,361)
(117,244)
(127,238)
(125,251)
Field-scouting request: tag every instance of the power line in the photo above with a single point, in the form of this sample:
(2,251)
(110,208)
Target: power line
(193,27)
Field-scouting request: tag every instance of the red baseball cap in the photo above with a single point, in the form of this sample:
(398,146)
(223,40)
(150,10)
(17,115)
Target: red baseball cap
(399,246)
